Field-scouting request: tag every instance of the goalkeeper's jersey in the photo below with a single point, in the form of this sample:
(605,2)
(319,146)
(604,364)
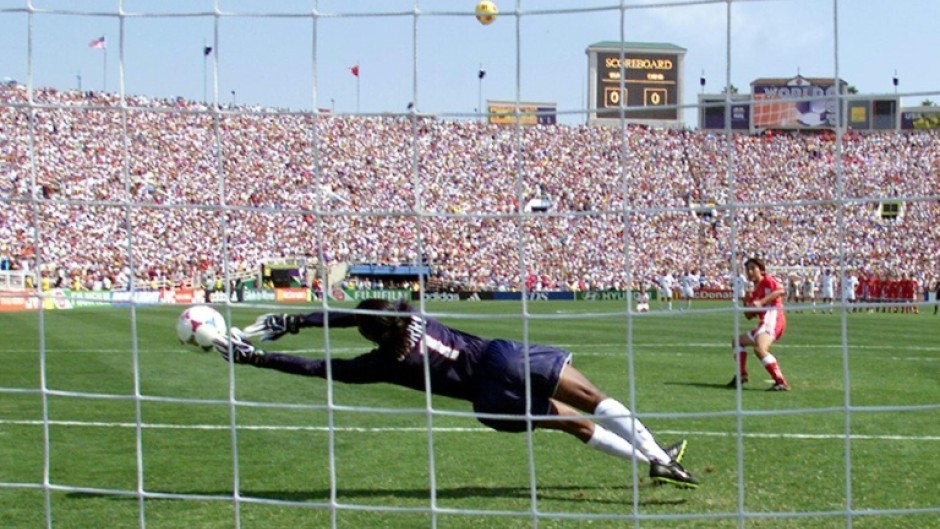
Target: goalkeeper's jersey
(452,356)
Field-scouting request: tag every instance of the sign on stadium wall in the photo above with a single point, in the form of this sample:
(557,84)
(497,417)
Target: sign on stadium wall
(182,296)
(18,300)
(610,295)
(252,294)
(351,294)
(796,103)
(529,113)
(15,301)
(56,299)
(713,293)
(93,298)
(534,296)
(139,297)
(291,295)
(449,296)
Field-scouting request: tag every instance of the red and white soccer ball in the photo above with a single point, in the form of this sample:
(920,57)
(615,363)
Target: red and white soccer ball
(199,325)
(486,12)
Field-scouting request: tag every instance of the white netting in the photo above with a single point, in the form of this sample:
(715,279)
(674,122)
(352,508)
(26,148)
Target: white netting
(179,187)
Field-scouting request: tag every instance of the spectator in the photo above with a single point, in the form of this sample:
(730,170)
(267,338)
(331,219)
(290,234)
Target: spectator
(466,189)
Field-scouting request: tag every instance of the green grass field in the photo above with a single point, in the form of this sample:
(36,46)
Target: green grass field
(765,460)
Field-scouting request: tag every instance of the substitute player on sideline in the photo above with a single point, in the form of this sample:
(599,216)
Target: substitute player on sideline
(828,282)
(489,373)
(767,296)
(665,282)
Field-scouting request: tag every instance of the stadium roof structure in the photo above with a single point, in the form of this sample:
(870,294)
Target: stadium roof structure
(616,45)
(796,78)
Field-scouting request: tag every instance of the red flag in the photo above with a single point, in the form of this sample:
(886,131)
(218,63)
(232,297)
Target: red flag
(354,70)
(98,44)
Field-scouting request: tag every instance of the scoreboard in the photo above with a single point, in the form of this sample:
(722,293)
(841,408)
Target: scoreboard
(642,82)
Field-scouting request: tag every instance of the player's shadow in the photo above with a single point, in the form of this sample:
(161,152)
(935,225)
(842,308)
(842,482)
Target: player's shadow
(570,493)
(721,386)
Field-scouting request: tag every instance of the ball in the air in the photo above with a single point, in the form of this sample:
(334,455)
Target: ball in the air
(486,12)
(199,325)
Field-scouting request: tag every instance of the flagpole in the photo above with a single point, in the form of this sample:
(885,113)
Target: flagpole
(357,87)
(480,75)
(104,74)
(205,64)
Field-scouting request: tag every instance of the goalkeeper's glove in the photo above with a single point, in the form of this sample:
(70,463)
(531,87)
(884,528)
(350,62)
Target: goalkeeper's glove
(236,348)
(272,326)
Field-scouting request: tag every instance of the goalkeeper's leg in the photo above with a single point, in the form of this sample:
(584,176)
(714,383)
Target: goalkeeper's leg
(666,467)
(576,390)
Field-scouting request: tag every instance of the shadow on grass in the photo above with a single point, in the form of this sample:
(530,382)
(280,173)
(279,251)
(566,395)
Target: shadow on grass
(722,386)
(550,493)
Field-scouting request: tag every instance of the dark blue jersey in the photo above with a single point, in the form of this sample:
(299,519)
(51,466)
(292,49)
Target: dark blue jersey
(492,374)
(451,354)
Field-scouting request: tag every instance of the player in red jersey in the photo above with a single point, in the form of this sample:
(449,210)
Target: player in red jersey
(768,297)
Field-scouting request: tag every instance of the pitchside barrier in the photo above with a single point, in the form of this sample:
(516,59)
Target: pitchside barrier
(64,299)
(61,299)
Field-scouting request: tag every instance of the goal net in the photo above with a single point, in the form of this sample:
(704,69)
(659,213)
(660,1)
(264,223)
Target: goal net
(155,155)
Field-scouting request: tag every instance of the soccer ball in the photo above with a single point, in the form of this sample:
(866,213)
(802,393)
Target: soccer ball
(199,325)
(486,12)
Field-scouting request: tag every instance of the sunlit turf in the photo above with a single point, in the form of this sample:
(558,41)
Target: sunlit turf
(140,430)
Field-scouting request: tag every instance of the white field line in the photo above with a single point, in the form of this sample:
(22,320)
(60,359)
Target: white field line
(246,427)
(576,348)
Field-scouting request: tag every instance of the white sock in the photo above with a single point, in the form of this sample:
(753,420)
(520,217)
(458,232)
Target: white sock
(618,419)
(611,443)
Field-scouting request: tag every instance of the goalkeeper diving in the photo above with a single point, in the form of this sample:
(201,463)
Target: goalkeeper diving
(489,373)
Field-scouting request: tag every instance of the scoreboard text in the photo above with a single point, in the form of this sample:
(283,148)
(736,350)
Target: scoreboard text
(641,83)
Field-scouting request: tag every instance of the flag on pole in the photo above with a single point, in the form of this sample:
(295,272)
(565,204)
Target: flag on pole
(354,70)
(98,44)
(481,74)
(206,50)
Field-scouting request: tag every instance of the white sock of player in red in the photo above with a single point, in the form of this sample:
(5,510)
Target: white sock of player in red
(611,443)
(621,421)
(770,364)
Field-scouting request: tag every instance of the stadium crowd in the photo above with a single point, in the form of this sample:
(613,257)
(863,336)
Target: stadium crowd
(138,189)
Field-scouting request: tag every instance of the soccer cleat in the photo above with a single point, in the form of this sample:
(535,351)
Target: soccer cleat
(673,474)
(734,381)
(676,450)
(779,387)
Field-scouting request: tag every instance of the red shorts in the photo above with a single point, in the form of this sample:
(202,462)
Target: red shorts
(773,323)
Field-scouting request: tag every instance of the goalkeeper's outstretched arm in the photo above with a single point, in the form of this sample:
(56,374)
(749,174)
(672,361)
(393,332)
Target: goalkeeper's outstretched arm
(363,369)
(272,326)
